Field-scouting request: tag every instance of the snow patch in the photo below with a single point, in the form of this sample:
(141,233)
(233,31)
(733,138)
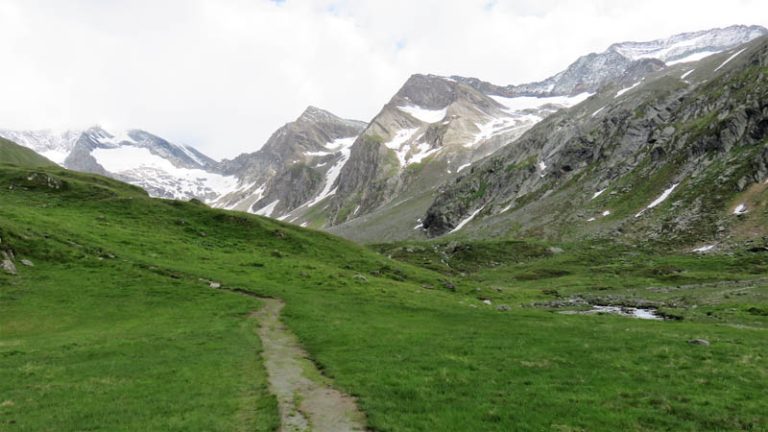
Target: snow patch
(531,102)
(606,213)
(467,220)
(660,199)
(597,112)
(424,151)
(150,169)
(692,58)
(703,249)
(268,209)
(345,147)
(624,90)
(317,153)
(496,126)
(119,138)
(463,166)
(255,196)
(728,60)
(685,75)
(424,115)
(598,193)
(400,138)
(740,209)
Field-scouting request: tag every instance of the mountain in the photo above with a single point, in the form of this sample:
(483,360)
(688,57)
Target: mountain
(297,167)
(14,154)
(135,156)
(390,209)
(431,129)
(374,181)
(628,61)
(679,156)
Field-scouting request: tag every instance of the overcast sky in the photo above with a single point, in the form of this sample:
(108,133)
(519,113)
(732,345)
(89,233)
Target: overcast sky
(222,75)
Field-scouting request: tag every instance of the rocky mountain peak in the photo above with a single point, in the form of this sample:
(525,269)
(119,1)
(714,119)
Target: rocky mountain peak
(682,46)
(314,114)
(428,91)
(592,71)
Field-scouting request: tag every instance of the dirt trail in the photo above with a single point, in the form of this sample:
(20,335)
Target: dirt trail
(307,401)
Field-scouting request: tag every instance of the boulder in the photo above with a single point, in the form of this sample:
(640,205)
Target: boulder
(7,264)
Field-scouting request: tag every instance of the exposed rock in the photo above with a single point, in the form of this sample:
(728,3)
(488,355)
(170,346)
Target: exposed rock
(214,285)
(45,180)
(27,262)
(703,342)
(503,308)
(360,278)
(7,264)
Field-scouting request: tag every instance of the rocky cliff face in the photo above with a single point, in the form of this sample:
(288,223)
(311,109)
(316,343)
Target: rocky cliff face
(296,168)
(679,156)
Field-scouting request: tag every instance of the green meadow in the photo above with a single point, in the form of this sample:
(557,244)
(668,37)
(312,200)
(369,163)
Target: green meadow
(115,327)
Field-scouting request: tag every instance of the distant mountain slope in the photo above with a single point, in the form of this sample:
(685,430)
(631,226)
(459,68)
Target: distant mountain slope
(135,156)
(681,155)
(432,128)
(592,71)
(375,181)
(14,154)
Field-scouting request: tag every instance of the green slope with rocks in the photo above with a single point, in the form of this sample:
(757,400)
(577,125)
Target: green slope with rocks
(679,157)
(109,321)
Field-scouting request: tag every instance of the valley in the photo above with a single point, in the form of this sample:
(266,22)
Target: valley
(420,339)
(586,252)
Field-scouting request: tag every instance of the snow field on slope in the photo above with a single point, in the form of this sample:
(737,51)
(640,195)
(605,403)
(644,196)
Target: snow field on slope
(141,163)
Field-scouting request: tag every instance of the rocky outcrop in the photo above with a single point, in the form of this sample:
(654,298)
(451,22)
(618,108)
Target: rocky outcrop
(6,262)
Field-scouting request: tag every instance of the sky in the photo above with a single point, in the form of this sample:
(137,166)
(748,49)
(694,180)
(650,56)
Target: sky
(223,75)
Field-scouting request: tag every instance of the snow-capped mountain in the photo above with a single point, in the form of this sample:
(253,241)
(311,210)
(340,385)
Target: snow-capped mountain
(54,145)
(376,180)
(135,156)
(627,61)
(687,47)
(433,128)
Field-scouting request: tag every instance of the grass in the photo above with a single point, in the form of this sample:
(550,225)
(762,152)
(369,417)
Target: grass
(113,328)
(14,154)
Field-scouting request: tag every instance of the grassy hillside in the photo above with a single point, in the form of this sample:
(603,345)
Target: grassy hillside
(115,326)
(14,154)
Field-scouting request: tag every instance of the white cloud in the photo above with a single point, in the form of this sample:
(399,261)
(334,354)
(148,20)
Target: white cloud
(222,75)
